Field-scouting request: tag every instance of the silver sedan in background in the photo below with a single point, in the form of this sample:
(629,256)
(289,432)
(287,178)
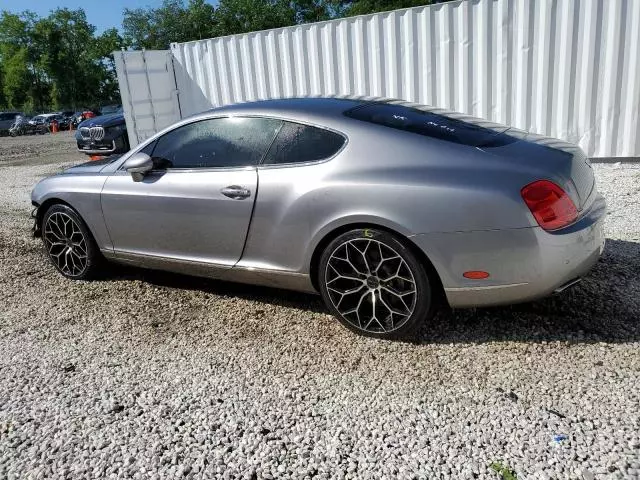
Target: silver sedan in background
(382,206)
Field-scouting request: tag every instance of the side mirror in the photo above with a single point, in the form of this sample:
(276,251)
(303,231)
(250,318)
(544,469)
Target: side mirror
(138,166)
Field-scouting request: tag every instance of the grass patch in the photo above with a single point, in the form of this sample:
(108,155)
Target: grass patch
(505,472)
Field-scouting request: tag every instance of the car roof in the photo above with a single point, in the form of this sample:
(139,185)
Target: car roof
(325,111)
(295,107)
(330,109)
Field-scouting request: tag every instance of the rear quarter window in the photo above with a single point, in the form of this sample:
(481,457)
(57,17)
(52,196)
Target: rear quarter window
(297,143)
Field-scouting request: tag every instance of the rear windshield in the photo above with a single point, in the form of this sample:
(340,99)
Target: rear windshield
(428,123)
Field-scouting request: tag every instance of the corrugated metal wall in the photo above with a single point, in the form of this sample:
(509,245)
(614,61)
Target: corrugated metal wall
(564,68)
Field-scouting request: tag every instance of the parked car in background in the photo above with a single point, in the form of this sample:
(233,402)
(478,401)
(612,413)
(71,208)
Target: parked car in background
(7,119)
(103,135)
(66,119)
(22,126)
(80,116)
(41,119)
(64,123)
(383,207)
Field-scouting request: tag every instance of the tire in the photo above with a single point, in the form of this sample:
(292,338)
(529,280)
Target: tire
(68,243)
(374,284)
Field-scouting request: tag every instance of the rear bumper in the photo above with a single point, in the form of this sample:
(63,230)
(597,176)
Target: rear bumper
(524,264)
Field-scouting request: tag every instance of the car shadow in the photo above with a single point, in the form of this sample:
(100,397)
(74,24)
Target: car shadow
(604,307)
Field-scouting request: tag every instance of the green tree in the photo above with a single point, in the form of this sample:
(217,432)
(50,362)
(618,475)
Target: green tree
(24,84)
(3,100)
(241,16)
(200,20)
(317,10)
(361,7)
(17,79)
(57,61)
(156,28)
(102,50)
(66,38)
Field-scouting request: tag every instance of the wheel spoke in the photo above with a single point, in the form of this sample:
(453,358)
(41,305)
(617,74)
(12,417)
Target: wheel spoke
(399,296)
(392,310)
(374,316)
(50,232)
(55,225)
(80,247)
(344,294)
(339,276)
(356,310)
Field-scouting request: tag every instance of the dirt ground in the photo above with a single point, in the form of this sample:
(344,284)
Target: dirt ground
(39,149)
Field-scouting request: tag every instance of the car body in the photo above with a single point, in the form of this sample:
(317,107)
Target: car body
(431,187)
(7,119)
(42,119)
(103,135)
(22,126)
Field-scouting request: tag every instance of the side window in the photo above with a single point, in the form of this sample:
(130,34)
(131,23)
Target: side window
(216,142)
(149,148)
(298,143)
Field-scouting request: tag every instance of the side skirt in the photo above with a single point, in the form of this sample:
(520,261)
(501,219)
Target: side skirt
(251,275)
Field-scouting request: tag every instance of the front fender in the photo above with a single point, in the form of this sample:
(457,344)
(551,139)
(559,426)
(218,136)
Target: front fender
(80,192)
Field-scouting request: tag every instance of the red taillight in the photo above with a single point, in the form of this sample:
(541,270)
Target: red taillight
(550,204)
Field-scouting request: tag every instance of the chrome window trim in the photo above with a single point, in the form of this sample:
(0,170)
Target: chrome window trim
(260,164)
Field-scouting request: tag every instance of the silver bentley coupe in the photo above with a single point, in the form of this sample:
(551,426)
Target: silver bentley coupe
(383,207)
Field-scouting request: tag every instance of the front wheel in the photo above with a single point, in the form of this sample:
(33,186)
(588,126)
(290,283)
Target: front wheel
(374,284)
(68,243)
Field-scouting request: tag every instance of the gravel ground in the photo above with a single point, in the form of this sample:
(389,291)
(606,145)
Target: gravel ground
(151,375)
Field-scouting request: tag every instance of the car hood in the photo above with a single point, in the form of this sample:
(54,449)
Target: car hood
(104,121)
(94,166)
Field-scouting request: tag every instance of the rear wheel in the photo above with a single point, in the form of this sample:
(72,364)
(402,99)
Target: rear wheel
(68,243)
(374,284)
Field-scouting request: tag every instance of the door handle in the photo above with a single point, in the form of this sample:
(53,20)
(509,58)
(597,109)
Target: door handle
(236,192)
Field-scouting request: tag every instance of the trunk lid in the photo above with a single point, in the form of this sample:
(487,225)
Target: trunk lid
(581,179)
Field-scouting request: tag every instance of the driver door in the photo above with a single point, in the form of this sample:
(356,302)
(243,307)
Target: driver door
(196,204)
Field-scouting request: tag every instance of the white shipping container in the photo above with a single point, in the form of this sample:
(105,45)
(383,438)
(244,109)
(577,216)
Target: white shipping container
(148,90)
(563,68)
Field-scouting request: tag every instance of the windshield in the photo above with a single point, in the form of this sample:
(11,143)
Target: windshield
(111,109)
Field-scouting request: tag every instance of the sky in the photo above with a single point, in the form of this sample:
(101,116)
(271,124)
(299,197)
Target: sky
(102,14)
